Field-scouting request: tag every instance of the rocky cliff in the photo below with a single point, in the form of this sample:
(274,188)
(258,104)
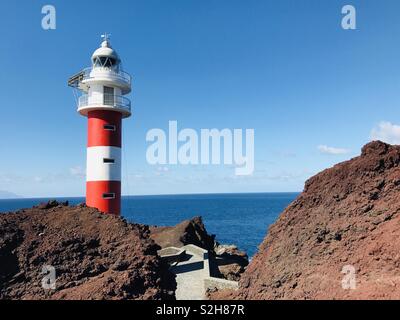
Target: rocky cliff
(338,240)
(95,256)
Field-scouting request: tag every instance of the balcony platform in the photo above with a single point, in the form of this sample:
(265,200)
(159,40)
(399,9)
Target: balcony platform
(106,102)
(105,76)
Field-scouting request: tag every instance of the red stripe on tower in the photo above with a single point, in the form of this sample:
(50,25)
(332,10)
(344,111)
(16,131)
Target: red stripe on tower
(105,106)
(95,191)
(104,128)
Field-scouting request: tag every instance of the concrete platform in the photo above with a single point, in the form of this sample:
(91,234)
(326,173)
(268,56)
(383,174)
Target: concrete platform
(191,267)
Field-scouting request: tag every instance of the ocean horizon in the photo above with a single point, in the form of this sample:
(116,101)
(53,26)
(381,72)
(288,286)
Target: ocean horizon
(241,219)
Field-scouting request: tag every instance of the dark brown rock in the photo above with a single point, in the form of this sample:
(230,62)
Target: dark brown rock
(51,204)
(187,232)
(231,262)
(95,256)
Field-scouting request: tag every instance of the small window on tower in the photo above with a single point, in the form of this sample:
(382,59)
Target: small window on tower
(110,127)
(109,98)
(108,160)
(108,196)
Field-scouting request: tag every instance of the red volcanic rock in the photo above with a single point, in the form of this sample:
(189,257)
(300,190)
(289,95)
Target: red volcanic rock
(347,217)
(187,232)
(95,256)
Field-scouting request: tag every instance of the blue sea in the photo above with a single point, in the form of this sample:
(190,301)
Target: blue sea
(240,219)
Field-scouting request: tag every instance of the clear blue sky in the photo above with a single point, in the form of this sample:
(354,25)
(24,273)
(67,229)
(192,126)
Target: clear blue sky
(285,68)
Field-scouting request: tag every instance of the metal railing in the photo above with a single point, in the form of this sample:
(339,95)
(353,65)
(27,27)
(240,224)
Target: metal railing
(111,100)
(114,74)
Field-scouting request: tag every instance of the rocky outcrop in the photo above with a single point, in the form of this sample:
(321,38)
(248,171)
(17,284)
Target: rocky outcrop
(95,256)
(187,232)
(338,239)
(230,261)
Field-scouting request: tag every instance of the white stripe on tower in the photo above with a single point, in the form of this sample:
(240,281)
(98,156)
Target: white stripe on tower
(103,164)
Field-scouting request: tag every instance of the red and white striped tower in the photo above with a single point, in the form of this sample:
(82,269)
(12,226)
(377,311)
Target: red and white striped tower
(103,103)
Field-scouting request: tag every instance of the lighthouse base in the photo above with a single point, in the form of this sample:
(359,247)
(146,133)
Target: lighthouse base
(104,195)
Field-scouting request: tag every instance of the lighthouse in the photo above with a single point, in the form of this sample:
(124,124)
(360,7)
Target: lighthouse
(103,87)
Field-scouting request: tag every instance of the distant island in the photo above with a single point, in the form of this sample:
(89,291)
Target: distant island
(8,195)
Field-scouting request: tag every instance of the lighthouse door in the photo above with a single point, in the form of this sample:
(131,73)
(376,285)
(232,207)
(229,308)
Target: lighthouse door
(109,96)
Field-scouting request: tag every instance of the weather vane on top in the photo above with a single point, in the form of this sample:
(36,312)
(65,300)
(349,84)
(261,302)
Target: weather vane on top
(106,36)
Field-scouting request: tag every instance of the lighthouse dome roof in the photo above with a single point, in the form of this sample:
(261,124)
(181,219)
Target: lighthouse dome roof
(105,51)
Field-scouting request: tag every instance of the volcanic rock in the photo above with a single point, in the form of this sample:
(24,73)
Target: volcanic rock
(231,262)
(187,232)
(51,204)
(338,239)
(95,256)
